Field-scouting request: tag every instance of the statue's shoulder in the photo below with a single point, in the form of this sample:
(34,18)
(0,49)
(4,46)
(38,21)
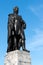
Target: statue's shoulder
(11,14)
(20,17)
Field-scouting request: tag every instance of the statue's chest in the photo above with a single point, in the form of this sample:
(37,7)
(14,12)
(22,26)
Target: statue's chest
(15,17)
(16,21)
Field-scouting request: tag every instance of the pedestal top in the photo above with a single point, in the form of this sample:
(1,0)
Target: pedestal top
(17,57)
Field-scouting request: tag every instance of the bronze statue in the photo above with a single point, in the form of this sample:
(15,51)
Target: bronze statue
(16,36)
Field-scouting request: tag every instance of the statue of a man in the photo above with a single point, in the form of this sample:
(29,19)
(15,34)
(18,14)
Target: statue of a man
(16,36)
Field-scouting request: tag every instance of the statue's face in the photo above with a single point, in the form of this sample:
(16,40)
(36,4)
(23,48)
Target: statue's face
(16,10)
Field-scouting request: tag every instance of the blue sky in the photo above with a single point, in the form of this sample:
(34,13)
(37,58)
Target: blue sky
(32,12)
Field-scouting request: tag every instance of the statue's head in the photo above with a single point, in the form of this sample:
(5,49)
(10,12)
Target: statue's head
(15,10)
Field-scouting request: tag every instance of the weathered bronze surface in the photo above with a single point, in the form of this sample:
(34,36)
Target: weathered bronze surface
(16,36)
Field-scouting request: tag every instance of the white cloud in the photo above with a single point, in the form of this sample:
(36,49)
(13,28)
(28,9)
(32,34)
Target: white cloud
(37,41)
(38,11)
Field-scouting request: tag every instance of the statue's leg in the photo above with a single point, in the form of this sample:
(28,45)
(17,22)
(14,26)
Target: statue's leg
(9,39)
(23,40)
(19,43)
(23,44)
(9,46)
(15,44)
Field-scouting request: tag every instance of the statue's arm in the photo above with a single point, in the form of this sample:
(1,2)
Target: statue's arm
(9,20)
(8,30)
(23,23)
(9,27)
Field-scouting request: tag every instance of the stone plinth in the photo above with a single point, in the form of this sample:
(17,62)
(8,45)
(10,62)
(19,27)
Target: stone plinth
(17,57)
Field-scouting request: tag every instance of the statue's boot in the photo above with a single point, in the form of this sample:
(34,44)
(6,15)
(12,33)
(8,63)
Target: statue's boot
(23,46)
(8,50)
